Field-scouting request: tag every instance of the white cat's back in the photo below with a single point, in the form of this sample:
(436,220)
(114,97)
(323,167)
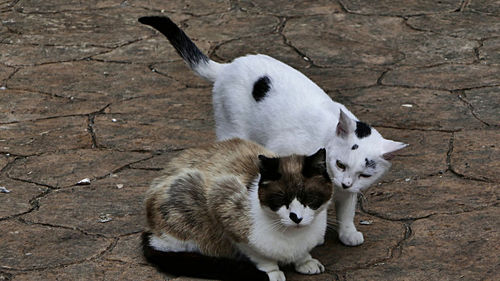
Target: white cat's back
(292,110)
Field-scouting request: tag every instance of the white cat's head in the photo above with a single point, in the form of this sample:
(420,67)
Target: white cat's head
(294,189)
(358,155)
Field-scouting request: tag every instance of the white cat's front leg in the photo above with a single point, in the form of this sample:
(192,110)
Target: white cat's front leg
(264,264)
(345,206)
(308,265)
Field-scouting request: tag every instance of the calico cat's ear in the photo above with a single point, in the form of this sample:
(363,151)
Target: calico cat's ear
(345,126)
(389,148)
(268,168)
(315,164)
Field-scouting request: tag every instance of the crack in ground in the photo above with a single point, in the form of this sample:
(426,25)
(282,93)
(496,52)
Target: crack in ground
(477,51)
(393,252)
(404,16)
(62,265)
(32,182)
(55,117)
(4,82)
(90,129)
(49,94)
(27,222)
(450,168)
(122,168)
(447,34)
(35,205)
(464,5)
(415,129)
(416,218)
(288,43)
(82,11)
(462,96)
(437,88)
(163,11)
(90,57)
(381,77)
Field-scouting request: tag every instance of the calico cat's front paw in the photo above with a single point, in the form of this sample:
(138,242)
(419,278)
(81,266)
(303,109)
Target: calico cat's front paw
(276,275)
(310,266)
(351,237)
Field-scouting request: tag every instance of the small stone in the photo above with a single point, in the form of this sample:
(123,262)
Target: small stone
(4,190)
(407,105)
(85,181)
(104,218)
(407,179)
(363,222)
(3,88)
(113,120)
(119,186)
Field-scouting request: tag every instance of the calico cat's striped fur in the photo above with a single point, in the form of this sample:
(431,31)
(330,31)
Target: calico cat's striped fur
(235,198)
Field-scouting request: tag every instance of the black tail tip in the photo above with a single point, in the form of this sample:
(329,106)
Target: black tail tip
(155,20)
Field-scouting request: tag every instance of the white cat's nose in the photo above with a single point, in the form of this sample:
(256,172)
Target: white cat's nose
(347,182)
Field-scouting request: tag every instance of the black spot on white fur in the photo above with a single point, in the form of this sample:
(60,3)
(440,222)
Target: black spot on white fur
(362,129)
(261,87)
(370,163)
(354,147)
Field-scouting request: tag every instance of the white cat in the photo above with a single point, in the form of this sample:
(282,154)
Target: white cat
(259,98)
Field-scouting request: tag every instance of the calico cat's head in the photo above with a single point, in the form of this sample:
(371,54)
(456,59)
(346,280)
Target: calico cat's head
(296,188)
(358,155)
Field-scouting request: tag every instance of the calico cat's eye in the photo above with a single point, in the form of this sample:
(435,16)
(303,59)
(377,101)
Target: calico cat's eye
(364,175)
(340,165)
(313,200)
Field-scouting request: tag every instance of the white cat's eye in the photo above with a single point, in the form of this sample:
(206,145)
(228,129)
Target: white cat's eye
(340,165)
(364,176)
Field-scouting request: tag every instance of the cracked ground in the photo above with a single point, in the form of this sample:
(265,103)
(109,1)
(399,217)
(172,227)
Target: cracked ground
(88,92)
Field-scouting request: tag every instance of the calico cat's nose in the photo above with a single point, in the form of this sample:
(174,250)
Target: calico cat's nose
(295,218)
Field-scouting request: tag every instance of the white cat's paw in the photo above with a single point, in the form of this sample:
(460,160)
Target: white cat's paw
(351,237)
(276,275)
(312,266)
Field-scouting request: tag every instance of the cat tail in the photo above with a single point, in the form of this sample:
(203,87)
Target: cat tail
(196,265)
(197,61)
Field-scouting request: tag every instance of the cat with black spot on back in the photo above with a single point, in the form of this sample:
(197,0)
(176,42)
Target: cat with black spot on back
(259,98)
(222,207)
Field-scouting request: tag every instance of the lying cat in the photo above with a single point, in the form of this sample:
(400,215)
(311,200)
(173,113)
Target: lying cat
(259,98)
(235,197)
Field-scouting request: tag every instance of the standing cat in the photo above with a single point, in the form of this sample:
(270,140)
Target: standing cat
(259,98)
(236,198)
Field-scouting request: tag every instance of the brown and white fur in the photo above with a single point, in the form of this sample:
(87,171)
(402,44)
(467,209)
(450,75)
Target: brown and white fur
(235,198)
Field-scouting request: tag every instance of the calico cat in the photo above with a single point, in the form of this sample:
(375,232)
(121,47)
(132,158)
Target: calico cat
(259,98)
(235,198)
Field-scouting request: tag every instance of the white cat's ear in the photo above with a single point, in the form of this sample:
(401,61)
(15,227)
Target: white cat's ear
(345,126)
(389,148)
